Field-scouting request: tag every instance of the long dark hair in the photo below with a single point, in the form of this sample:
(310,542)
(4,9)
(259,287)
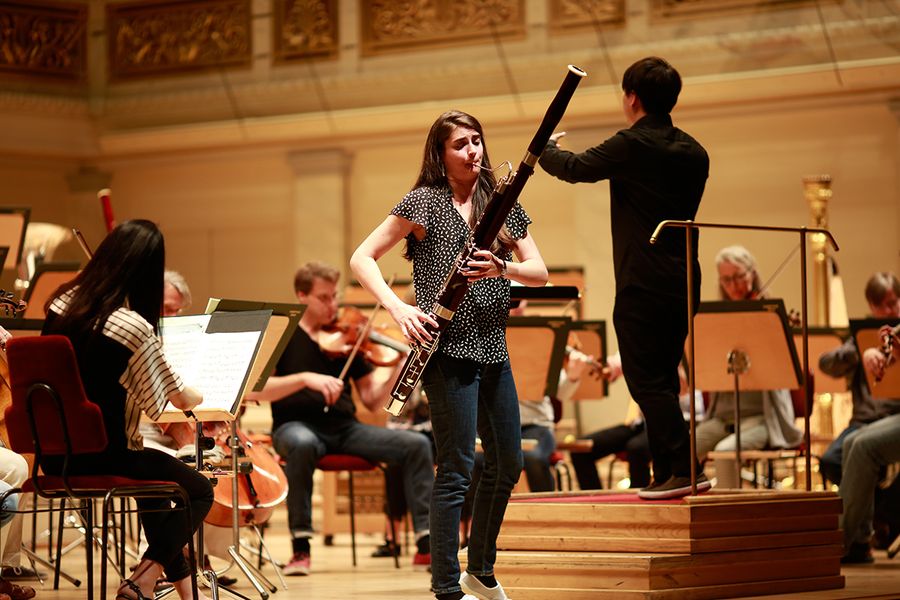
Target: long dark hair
(127,267)
(433,173)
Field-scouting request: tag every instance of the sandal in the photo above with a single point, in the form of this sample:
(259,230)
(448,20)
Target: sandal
(128,584)
(15,592)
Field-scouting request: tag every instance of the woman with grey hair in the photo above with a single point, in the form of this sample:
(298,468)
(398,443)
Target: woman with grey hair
(767,417)
(176,294)
(738,277)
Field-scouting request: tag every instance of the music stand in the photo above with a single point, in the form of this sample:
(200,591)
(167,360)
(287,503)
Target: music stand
(865,333)
(278,333)
(537,346)
(592,336)
(214,354)
(744,345)
(13,222)
(46,280)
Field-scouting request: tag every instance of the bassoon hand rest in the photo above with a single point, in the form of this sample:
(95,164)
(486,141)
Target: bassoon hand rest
(503,199)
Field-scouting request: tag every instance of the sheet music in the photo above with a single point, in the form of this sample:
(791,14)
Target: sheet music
(215,364)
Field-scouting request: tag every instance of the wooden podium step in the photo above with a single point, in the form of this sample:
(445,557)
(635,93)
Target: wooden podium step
(717,545)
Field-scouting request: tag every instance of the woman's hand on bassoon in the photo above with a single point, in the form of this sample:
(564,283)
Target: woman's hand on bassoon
(412,321)
(488,266)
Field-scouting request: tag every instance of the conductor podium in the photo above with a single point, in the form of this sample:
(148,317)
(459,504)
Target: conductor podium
(723,544)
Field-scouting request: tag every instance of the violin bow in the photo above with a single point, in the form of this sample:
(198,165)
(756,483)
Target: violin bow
(363,334)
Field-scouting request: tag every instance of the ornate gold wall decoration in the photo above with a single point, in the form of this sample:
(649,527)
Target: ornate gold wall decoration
(165,38)
(711,8)
(305,29)
(566,15)
(43,39)
(420,24)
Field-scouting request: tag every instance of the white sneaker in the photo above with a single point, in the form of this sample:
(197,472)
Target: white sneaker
(471,585)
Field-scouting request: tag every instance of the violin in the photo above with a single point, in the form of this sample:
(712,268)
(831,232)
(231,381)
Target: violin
(352,328)
(888,337)
(261,487)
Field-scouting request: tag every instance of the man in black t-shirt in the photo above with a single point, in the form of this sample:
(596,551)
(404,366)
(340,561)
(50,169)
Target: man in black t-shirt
(656,172)
(313,415)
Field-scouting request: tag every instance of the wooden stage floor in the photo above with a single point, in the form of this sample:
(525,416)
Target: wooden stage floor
(334,578)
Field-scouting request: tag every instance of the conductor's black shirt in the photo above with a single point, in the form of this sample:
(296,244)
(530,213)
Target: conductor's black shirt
(656,172)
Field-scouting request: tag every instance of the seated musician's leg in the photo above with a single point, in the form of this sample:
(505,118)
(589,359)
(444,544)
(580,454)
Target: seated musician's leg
(412,451)
(865,452)
(537,459)
(300,448)
(606,441)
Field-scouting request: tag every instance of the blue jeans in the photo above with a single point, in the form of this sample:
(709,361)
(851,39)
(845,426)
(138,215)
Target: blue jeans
(303,444)
(830,462)
(537,460)
(465,396)
(866,452)
(10,503)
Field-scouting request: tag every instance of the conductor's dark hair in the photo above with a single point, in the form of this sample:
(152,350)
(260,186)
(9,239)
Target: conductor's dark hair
(655,82)
(126,270)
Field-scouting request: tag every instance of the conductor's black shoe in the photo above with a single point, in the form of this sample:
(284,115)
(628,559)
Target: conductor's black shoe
(387,549)
(674,487)
(858,554)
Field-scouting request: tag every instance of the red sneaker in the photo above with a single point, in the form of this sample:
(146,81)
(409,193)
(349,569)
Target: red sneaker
(422,562)
(298,565)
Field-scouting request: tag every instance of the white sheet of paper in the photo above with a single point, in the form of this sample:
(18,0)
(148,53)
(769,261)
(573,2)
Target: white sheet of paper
(215,364)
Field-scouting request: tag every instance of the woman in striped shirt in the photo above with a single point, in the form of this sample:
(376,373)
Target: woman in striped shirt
(111,312)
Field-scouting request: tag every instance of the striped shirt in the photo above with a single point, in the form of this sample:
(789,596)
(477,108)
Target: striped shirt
(126,373)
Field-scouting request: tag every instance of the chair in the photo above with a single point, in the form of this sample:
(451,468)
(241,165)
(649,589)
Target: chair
(351,464)
(771,455)
(558,463)
(50,415)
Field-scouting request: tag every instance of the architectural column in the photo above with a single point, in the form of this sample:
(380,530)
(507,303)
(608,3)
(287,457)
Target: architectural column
(321,227)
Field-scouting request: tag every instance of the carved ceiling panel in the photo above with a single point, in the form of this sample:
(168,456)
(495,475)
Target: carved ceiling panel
(423,24)
(565,15)
(152,39)
(305,29)
(713,8)
(43,40)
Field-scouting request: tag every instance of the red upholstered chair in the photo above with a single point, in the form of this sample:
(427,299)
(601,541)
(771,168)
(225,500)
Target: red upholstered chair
(351,464)
(563,472)
(50,415)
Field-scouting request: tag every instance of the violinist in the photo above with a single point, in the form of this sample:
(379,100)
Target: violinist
(883,297)
(13,472)
(110,312)
(866,452)
(767,416)
(313,414)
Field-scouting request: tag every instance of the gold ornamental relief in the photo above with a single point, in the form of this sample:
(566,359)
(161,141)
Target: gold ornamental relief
(711,8)
(424,24)
(43,40)
(305,29)
(567,15)
(151,39)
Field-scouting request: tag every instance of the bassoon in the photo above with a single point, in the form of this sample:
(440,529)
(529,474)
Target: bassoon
(503,199)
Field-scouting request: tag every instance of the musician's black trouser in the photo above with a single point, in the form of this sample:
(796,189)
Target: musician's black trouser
(651,330)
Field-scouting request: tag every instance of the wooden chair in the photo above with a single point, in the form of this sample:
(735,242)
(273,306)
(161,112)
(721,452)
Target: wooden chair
(50,415)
